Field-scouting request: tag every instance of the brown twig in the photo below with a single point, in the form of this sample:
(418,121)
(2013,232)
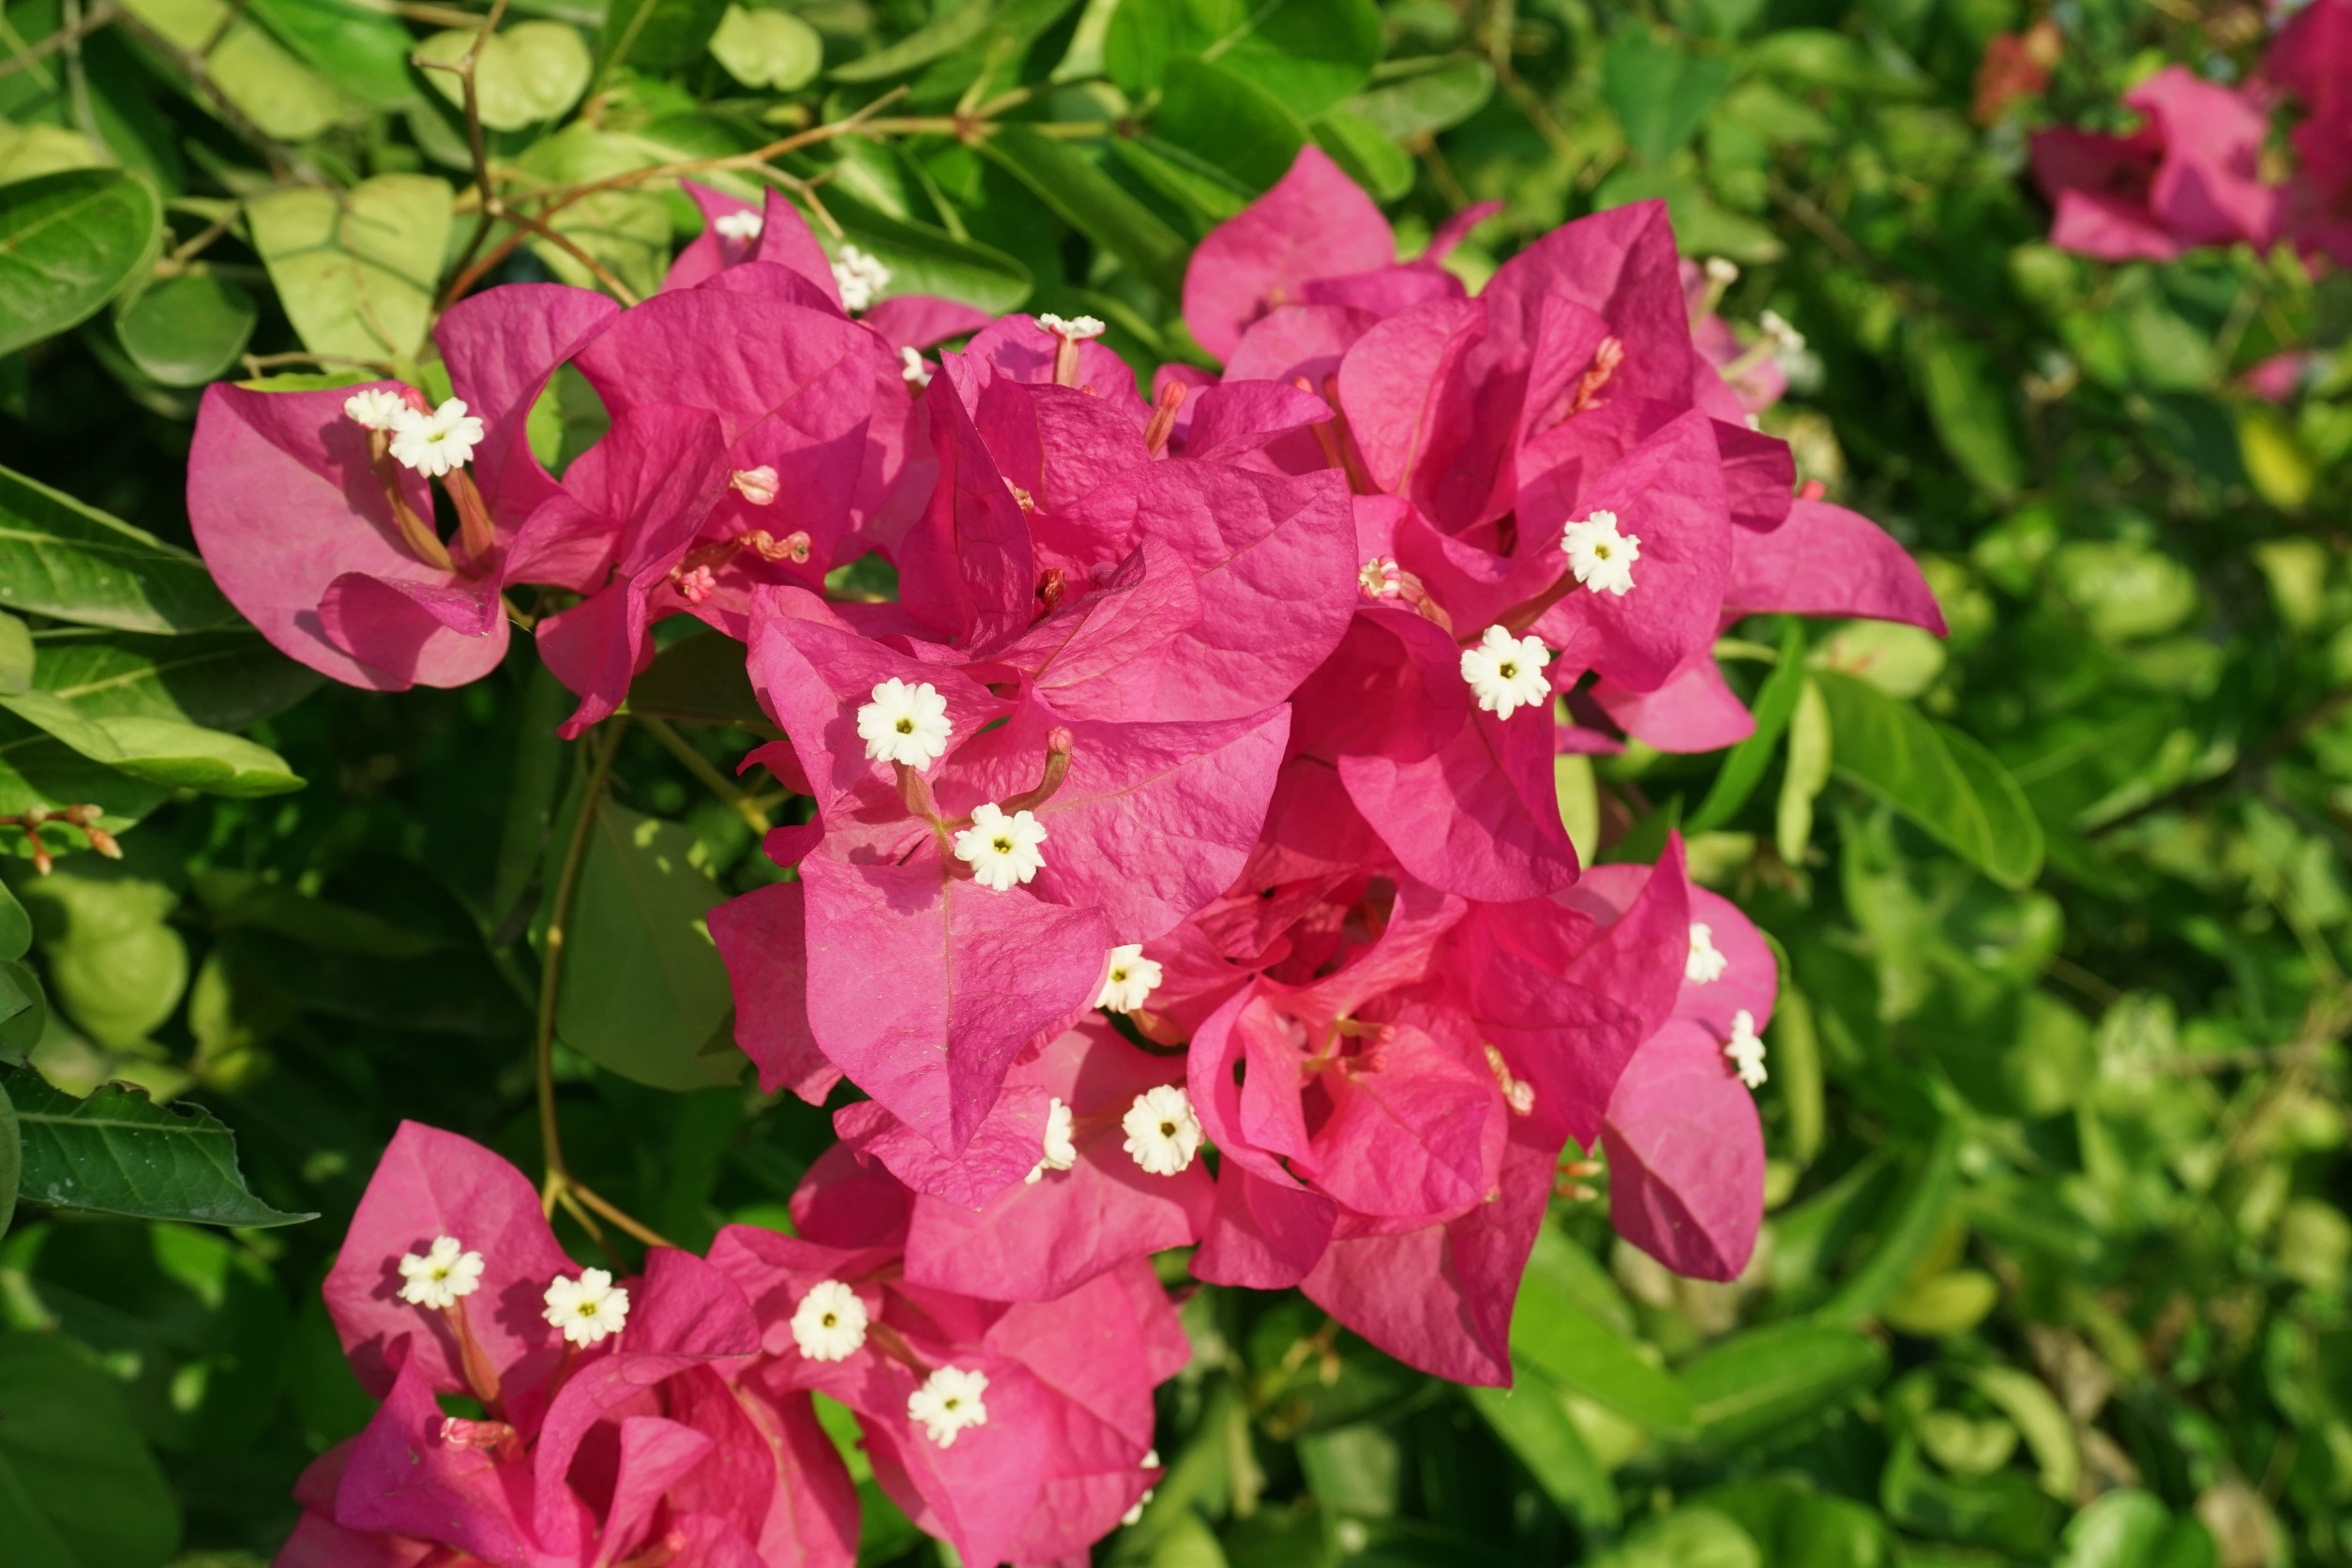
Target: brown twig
(65,38)
(282,160)
(83,816)
(729,792)
(256,363)
(476,144)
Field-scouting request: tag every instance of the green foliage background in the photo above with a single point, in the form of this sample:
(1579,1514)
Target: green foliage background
(2056,1261)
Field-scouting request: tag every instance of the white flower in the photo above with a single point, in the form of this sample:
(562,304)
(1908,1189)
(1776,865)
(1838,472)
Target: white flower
(905,723)
(744,225)
(1078,330)
(1746,1049)
(1131,979)
(1721,270)
(1162,1132)
(436,442)
(1707,962)
(1061,1152)
(1150,1461)
(1506,673)
(1602,558)
(587,1309)
(911,369)
(1001,850)
(949,1401)
(374,408)
(861,278)
(755,485)
(441,1276)
(1785,338)
(830,1323)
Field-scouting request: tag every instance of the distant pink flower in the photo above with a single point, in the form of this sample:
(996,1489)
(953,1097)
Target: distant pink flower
(2186,178)
(2312,59)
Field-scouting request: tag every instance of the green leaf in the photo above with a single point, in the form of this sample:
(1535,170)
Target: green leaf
(355,269)
(188,329)
(1082,196)
(527,73)
(1798,1527)
(1418,98)
(1810,751)
(38,770)
(1939,778)
(39,149)
(117,967)
(1309,55)
(1970,404)
(23,1010)
(701,679)
(2048,1432)
(627,231)
(1660,91)
(924,260)
(1743,768)
(1228,122)
(16,926)
(1767,1380)
(643,990)
(362,51)
(768,48)
(1687,1538)
(165,751)
(11,1159)
(78,1487)
(61,558)
(934,40)
(1532,1423)
(2129,1529)
(656,35)
(16,656)
(1371,157)
(119,1152)
(1584,1355)
(68,241)
(1914,1219)
(223,680)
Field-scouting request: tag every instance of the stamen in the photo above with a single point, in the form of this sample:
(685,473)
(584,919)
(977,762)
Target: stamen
(1164,412)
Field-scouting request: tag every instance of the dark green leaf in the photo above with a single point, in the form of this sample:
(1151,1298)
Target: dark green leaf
(78,1487)
(1309,55)
(1941,779)
(1970,402)
(1089,201)
(1744,769)
(643,990)
(187,330)
(957,28)
(924,260)
(11,1159)
(1767,1380)
(1909,1229)
(23,1009)
(1583,1355)
(701,679)
(1228,122)
(227,680)
(119,1152)
(59,557)
(1658,91)
(656,35)
(364,52)
(68,241)
(1529,1420)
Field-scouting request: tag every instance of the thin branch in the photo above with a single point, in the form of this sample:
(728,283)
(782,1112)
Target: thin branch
(256,363)
(727,790)
(464,71)
(282,160)
(65,38)
(565,243)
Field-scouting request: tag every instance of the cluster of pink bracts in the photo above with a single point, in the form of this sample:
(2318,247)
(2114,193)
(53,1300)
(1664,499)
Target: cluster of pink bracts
(2190,175)
(1232,713)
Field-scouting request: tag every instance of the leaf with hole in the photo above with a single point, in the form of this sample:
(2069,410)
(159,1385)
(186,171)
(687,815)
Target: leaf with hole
(119,1152)
(69,242)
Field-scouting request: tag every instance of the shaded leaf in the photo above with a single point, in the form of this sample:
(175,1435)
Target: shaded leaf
(119,1152)
(224,680)
(187,330)
(59,557)
(68,241)
(167,751)
(1089,201)
(78,1487)
(1769,1379)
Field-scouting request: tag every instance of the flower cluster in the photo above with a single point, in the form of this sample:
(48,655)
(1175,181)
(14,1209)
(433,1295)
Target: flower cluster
(2192,172)
(669,1420)
(1185,868)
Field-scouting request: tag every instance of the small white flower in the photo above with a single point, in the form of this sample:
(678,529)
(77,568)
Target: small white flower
(1150,1461)
(1131,979)
(588,1309)
(1061,1152)
(1162,1132)
(374,408)
(744,225)
(1707,962)
(440,1275)
(1722,270)
(1746,1049)
(912,369)
(905,723)
(860,276)
(830,1323)
(1078,330)
(949,1401)
(1506,673)
(1785,338)
(433,444)
(1517,1093)
(755,485)
(1380,577)
(1602,558)
(1001,850)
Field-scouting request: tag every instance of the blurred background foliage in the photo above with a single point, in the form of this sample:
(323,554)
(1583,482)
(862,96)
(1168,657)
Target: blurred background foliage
(2056,1258)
